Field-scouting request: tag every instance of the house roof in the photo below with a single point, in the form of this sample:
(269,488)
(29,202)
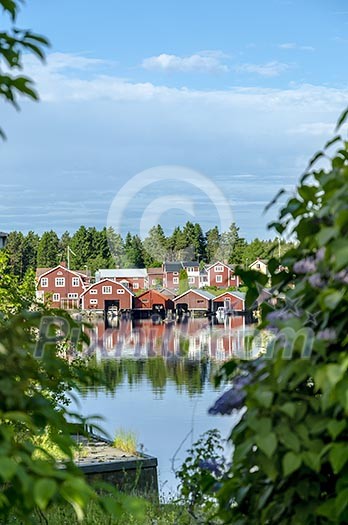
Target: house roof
(264,261)
(239,295)
(118,273)
(109,281)
(153,271)
(3,234)
(168,293)
(188,264)
(176,266)
(221,264)
(49,270)
(202,293)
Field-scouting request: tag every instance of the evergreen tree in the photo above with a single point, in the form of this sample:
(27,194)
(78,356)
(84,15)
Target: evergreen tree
(117,248)
(48,250)
(64,242)
(134,252)
(155,247)
(212,243)
(30,248)
(228,241)
(176,243)
(14,252)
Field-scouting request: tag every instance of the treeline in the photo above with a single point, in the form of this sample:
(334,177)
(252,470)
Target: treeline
(91,249)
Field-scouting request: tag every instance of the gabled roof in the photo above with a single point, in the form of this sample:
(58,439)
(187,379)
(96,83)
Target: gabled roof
(3,234)
(220,263)
(167,292)
(109,281)
(264,261)
(172,266)
(202,293)
(152,291)
(118,273)
(238,295)
(49,270)
(188,264)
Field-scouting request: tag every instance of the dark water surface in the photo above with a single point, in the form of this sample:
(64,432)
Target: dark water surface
(162,378)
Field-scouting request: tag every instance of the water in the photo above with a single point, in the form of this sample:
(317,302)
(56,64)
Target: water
(162,384)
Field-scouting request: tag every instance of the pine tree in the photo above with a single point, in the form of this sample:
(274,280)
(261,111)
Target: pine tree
(48,250)
(14,251)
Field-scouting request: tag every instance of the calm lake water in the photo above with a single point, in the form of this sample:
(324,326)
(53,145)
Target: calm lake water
(162,379)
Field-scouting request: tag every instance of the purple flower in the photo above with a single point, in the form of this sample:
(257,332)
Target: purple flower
(316,281)
(279,315)
(342,277)
(320,254)
(329,334)
(233,399)
(211,465)
(305,266)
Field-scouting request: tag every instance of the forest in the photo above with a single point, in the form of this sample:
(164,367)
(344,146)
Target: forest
(91,249)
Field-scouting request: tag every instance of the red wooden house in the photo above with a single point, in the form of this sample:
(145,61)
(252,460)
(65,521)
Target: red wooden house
(155,277)
(60,287)
(107,294)
(134,278)
(230,301)
(222,275)
(194,301)
(153,301)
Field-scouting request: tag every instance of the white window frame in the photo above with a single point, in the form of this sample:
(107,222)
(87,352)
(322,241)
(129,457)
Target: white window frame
(175,273)
(218,269)
(191,280)
(56,297)
(73,295)
(233,277)
(93,301)
(107,290)
(175,280)
(60,282)
(75,281)
(218,278)
(93,292)
(135,286)
(120,291)
(44,282)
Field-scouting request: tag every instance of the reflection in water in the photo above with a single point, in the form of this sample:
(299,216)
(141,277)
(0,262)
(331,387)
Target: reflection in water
(192,338)
(161,382)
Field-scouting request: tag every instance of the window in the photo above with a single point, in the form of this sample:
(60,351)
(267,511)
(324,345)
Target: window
(191,280)
(200,301)
(107,289)
(120,291)
(56,297)
(218,278)
(135,286)
(60,281)
(175,280)
(73,295)
(175,273)
(44,282)
(233,277)
(93,301)
(219,269)
(75,281)
(94,292)
(258,265)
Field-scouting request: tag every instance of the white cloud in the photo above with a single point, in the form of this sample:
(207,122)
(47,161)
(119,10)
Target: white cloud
(314,129)
(270,69)
(203,62)
(293,45)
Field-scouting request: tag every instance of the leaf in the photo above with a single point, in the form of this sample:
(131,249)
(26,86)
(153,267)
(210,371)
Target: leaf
(291,462)
(267,444)
(44,489)
(312,460)
(342,119)
(338,456)
(327,509)
(8,468)
(341,501)
(336,427)
(289,409)
(274,200)
(332,141)
(314,159)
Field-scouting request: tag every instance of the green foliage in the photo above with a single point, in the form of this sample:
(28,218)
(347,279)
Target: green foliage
(183,281)
(33,401)
(200,475)
(48,249)
(14,44)
(290,461)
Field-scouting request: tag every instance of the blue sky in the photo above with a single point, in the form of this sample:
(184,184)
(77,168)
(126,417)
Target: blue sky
(241,92)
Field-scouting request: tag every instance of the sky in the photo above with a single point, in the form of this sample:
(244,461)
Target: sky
(170,111)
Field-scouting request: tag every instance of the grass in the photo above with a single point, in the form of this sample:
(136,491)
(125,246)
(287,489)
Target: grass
(126,441)
(46,444)
(167,514)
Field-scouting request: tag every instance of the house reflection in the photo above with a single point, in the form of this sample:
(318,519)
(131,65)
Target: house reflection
(193,339)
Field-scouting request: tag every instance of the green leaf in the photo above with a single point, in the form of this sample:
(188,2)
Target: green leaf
(8,468)
(44,489)
(342,119)
(336,427)
(289,409)
(341,501)
(327,509)
(312,460)
(338,456)
(330,298)
(291,462)
(265,397)
(267,444)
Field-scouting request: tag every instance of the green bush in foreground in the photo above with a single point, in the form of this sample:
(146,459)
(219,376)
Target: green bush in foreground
(290,462)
